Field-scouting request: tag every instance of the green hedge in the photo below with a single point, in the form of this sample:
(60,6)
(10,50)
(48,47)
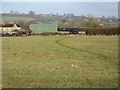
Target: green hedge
(49,33)
(103,31)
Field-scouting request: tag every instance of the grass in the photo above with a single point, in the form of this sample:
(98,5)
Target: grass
(13,18)
(60,62)
(44,27)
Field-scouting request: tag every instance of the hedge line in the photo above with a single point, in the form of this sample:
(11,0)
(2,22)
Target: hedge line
(49,33)
(103,31)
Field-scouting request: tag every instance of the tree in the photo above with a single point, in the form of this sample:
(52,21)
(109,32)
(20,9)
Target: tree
(31,14)
(11,12)
(91,22)
(26,25)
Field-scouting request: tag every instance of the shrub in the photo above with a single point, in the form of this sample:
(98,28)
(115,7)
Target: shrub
(103,31)
(49,33)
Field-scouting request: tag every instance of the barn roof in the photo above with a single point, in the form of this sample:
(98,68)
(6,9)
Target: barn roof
(8,25)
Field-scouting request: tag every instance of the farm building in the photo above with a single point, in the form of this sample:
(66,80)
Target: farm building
(10,29)
(69,27)
(72,30)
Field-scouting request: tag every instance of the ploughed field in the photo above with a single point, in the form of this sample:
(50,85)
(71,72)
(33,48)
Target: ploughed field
(60,62)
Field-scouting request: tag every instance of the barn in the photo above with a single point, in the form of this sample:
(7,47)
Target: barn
(10,29)
(72,30)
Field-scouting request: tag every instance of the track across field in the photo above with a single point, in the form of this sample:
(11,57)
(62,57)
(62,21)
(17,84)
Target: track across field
(60,62)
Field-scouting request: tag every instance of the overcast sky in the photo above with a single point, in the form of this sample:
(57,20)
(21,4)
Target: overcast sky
(59,0)
(78,8)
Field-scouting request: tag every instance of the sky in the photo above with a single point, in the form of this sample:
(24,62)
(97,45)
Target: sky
(59,0)
(98,9)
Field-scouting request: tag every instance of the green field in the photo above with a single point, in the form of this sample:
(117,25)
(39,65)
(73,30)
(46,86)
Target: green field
(13,18)
(60,62)
(43,27)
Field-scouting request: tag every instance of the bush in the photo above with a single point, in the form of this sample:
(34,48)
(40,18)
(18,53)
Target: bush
(103,31)
(50,33)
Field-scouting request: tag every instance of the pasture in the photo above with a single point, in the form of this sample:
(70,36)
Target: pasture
(43,27)
(60,62)
(13,18)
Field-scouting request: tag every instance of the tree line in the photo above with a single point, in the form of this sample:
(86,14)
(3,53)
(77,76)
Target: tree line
(93,25)
(55,18)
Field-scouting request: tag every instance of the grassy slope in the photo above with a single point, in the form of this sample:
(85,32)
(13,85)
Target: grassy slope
(34,27)
(13,18)
(60,61)
(44,27)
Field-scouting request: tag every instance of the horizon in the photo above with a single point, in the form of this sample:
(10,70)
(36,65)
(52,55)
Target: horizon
(97,9)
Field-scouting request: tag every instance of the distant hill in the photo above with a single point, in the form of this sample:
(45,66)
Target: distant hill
(14,18)
(56,18)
